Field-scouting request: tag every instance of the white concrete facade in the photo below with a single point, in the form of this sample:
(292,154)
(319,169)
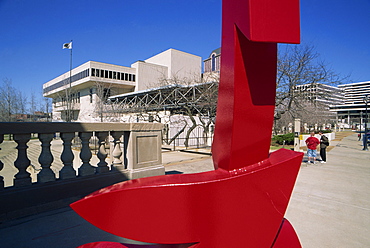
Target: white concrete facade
(352,112)
(181,65)
(93,80)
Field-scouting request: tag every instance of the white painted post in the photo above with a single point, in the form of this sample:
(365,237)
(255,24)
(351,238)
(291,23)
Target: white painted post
(297,132)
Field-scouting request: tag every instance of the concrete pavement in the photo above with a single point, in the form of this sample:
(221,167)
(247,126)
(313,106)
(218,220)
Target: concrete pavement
(330,205)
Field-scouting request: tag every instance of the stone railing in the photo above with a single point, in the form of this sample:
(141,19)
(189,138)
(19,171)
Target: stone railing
(135,152)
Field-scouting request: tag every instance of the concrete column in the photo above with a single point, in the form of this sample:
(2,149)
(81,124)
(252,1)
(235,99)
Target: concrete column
(144,158)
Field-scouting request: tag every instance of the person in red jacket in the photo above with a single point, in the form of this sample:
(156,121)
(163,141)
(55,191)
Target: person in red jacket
(312,142)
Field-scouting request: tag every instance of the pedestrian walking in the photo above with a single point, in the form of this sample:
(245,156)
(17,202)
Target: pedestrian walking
(324,142)
(312,142)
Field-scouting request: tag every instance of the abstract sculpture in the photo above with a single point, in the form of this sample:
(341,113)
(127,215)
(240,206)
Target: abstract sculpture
(243,201)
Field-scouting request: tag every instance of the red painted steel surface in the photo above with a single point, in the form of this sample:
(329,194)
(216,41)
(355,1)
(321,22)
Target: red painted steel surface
(247,87)
(238,208)
(286,236)
(242,203)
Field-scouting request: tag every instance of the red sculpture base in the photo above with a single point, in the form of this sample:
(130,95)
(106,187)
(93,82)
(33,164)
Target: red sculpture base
(240,208)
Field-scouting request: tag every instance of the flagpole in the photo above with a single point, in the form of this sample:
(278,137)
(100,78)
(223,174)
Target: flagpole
(70,86)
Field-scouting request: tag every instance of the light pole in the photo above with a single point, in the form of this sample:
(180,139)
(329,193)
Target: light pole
(366,100)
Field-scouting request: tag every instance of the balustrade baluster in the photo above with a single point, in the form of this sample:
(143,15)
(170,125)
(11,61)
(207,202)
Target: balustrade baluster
(46,158)
(102,153)
(85,155)
(67,157)
(22,178)
(117,151)
(1,165)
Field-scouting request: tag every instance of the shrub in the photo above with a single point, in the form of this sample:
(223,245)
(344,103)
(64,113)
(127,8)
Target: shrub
(289,139)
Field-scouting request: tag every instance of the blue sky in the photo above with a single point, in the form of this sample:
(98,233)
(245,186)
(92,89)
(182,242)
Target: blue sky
(122,32)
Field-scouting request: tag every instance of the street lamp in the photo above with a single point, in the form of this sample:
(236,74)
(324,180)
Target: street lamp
(366,100)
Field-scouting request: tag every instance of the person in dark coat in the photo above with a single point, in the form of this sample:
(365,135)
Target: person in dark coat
(324,142)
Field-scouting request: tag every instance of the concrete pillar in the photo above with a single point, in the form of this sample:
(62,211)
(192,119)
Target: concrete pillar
(144,156)
(297,132)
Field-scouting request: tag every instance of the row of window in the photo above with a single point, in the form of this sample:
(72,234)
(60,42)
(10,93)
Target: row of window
(95,73)
(74,98)
(112,75)
(74,78)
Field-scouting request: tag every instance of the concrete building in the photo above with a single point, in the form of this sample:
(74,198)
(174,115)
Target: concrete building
(352,112)
(87,86)
(315,101)
(321,93)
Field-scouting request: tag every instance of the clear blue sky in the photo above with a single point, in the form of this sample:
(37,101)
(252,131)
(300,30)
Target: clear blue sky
(121,32)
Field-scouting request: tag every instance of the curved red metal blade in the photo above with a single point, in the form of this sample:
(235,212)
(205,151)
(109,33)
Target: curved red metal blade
(214,209)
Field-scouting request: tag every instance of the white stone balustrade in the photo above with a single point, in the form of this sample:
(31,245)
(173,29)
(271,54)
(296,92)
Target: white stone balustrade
(23,177)
(67,156)
(136,150)
(46,159)
(102,153)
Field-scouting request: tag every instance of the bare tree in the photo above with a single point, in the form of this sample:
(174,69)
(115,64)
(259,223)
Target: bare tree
(300,65)
(12,101)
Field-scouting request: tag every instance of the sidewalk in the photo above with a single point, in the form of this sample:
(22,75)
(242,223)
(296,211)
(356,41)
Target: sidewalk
(330,205)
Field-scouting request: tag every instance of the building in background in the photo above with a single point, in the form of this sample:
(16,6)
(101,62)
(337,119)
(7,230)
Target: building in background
(351,114)
(83,91)
(212,66)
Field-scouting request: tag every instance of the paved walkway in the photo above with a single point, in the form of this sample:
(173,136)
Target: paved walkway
(330,205)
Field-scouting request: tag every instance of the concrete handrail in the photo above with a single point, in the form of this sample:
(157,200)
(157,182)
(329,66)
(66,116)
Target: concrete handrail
(135,152)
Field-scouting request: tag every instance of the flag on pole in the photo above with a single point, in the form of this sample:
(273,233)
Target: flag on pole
(67,45)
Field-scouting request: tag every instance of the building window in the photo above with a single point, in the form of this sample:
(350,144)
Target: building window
(213,62)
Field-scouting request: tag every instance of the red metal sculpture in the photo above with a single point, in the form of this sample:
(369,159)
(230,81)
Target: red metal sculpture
(243,201)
